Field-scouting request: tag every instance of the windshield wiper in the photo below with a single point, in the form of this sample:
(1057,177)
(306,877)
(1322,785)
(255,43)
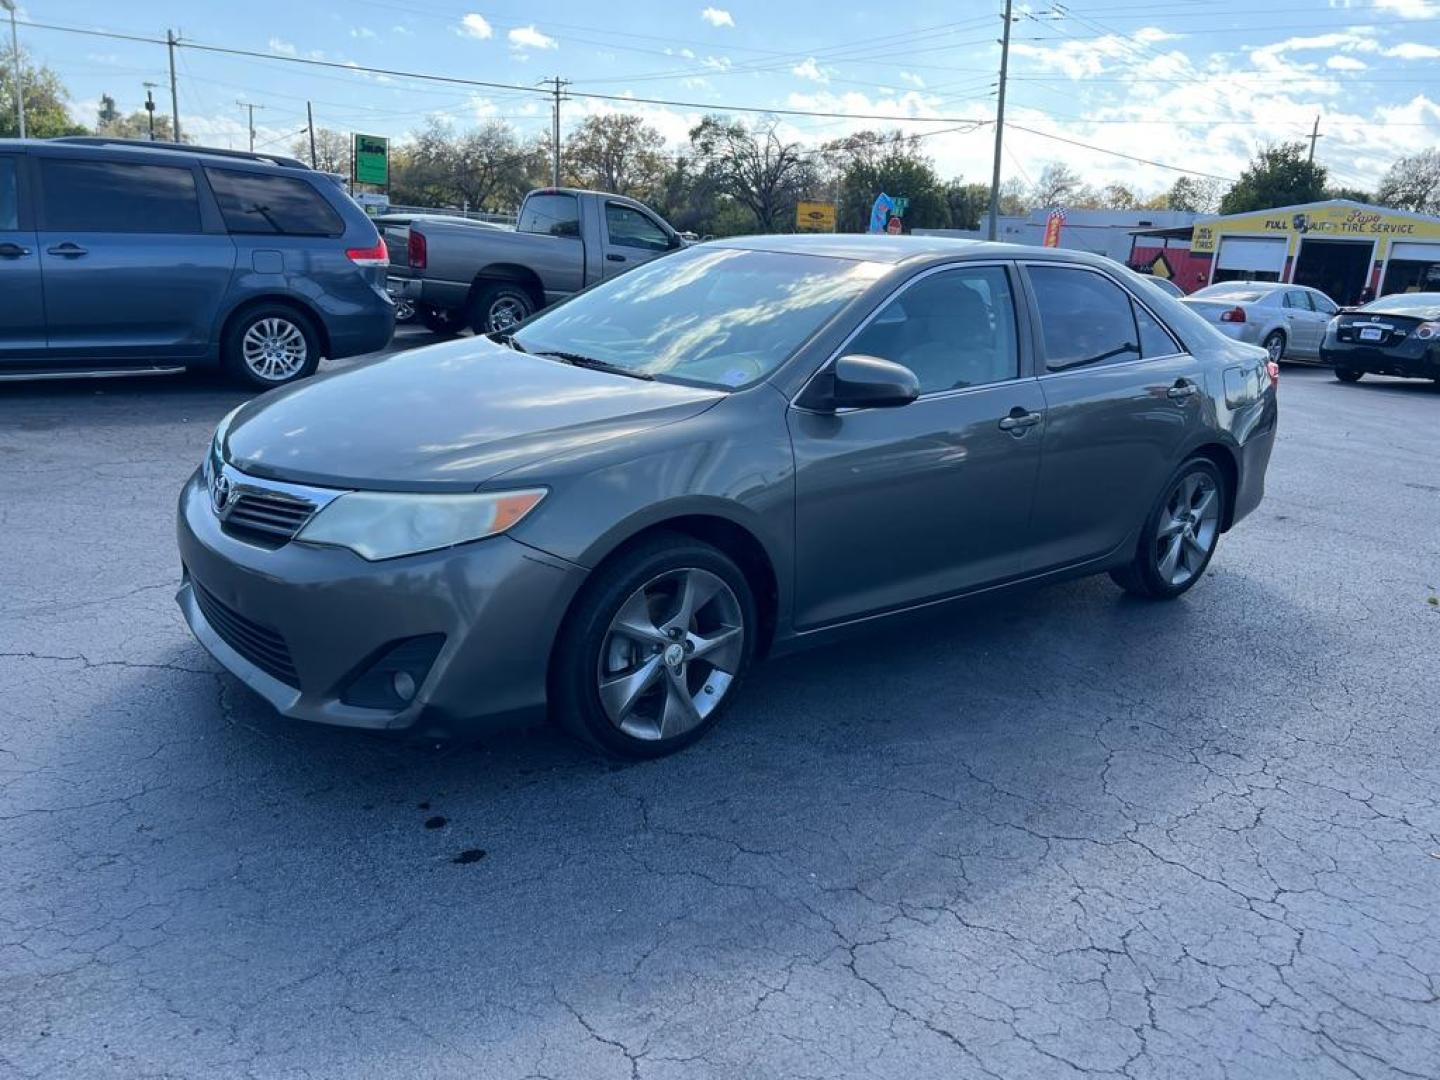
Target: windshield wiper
(508,339)
(577,360)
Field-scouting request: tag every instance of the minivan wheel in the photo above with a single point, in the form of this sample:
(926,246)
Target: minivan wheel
(271,345)
(1179,536)
(1274,344)
(498,307)
(655,649)
(1345,374)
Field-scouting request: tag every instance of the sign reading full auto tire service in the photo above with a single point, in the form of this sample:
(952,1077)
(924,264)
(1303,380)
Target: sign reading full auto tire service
(371,159)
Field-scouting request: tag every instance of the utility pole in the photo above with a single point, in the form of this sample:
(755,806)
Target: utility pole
(310,123)
(170,41)
(1314,134)
(250,111)
(557,84)
(150,107)
(993,230)
(9,5)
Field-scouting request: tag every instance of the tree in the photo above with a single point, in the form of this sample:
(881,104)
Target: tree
(1413,183)
(1279,176)
(754,167)
(486,168)
(1118,197)
(1059,186)
(871,162)
(969,204)
(46,115)
(332,150)
(617,152)
(1353,194)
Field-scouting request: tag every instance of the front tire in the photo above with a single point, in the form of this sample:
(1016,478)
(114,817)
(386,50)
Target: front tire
(1274,344)
(271,345)
(655,649)
(1348,374)
(499,307)
(1180,535)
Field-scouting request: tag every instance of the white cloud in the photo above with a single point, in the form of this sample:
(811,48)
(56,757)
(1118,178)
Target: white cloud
(717,63)
(281,46)
(911,79)
(527,37)
(1410,9)
(809,69)
(361,32)
(402,31)
(1340,62)
(476,26)
(1413,50)
(717,17)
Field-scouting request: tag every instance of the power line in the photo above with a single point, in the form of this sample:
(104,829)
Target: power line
(1118,154)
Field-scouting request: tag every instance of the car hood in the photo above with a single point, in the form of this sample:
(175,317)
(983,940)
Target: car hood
(449,417)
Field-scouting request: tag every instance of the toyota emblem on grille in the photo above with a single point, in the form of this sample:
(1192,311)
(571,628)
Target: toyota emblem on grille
(220,492)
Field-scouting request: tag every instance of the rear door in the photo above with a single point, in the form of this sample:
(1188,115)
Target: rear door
(22,304)
(1306,325)
(1122,400)
(135,264)
(632,237)
(897,506)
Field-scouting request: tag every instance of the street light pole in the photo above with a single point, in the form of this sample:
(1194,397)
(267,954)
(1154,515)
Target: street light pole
(150,106)
(9,5)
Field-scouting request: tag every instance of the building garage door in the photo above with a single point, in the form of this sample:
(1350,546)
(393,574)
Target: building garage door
(1428,253)
(1250,254)
(1411,267)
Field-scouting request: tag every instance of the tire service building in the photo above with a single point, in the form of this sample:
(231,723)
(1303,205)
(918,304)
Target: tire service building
(1340,247)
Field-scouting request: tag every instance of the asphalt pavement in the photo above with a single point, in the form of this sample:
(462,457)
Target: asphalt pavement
(1059,834)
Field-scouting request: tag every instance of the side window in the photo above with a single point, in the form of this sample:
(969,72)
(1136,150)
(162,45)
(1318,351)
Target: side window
(1155,340)
(9,195)
(117,196)
(263,204)
(1323,304)
(1085,318)
(628,227)
(952,329)
(552,215)
(1294,298)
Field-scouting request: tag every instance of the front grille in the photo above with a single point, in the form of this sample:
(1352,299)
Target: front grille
(260,645)
(271,515)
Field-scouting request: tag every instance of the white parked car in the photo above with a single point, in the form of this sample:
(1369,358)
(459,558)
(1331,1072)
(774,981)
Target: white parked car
(1288,321)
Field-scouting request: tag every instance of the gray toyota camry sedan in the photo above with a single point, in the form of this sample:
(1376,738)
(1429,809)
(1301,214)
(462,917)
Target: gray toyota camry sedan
(735,451)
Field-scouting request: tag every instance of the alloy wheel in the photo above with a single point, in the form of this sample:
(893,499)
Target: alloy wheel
(505,314)
(1275,346)
(670,654)
(274,348)
(1189,528)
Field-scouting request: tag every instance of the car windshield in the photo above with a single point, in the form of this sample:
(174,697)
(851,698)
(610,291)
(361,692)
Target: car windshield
(1418,305)
(710,316)
(1227,292)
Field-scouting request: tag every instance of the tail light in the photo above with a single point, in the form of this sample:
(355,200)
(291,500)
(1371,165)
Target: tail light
(1274,369)
(375,255)
(1235,314)
(415,249)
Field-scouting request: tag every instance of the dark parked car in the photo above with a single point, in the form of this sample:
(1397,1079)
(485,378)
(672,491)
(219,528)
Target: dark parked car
(132,256)
(742,449)
(1394,335)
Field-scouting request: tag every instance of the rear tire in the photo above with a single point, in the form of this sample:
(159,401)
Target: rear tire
(499,307)
(271,345)
(1348,374)
(1274,344)
(1180,535)
(440,321)
(614,682)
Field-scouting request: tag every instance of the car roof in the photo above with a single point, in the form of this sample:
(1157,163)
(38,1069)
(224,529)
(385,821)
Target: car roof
(884,248)
(101,146)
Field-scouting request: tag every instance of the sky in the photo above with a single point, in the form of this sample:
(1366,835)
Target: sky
(1196,85)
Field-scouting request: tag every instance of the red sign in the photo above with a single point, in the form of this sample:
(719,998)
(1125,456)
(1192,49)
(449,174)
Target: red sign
(893,226)
(1052,229)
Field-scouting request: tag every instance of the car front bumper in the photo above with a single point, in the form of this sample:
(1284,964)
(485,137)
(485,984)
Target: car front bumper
(497,603)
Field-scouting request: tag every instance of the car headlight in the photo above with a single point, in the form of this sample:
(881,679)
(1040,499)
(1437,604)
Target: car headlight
(383,525)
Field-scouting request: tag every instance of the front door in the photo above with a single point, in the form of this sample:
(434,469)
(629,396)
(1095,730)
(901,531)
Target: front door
(1122,400)
(896,506)
(22,304)
(131,272)
(632,237)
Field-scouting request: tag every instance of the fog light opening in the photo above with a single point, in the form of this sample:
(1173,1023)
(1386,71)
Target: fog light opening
(404,685)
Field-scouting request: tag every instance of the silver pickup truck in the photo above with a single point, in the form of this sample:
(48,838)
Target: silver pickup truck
(491,279)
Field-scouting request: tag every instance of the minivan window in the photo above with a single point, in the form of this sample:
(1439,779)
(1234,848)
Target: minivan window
(266,204)
(952,329)
(628,227)
(1085,318)
(117,196)
(9,195)
(553,215)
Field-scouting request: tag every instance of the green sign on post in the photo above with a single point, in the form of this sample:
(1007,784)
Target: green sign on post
(371,159)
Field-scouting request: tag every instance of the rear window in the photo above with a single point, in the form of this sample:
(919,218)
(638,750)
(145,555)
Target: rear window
(1228,292)
(267,205)
(1417,305)
(118,196)
(552,215)
(9,195)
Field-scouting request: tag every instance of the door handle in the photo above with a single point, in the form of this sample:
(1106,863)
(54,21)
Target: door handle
(1182,390)
(67,250)
(12,251)
(612,257)
(1019,421)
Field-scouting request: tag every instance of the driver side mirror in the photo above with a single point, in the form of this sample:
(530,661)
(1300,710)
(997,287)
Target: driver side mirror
(856,381)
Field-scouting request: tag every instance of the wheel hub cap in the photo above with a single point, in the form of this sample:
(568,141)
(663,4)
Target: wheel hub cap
(675,656)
